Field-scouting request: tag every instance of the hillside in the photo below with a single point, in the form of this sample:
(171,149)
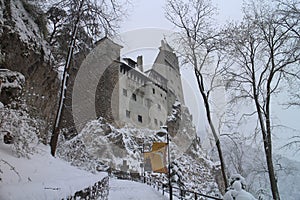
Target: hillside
(100,146)
(41,176)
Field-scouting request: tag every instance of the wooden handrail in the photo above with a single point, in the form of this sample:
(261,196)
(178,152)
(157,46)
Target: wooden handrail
(164,188)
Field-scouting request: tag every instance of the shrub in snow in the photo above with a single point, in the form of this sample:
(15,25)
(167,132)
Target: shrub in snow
(14,119)
(22,128)
(76,152)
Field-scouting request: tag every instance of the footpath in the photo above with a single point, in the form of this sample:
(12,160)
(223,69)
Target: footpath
(125,190)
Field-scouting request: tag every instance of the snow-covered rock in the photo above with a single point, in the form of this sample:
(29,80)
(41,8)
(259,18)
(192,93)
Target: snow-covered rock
(11,85)
(101,146)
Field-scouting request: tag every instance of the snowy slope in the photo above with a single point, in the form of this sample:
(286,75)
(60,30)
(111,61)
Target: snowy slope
(40,177)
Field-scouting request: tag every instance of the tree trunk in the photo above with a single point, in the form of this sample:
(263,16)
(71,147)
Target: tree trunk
(266,133)
(55,133)
(268,143)
(215,135)
(272,176)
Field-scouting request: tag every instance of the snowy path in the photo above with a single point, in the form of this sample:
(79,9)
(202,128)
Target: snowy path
(125,190)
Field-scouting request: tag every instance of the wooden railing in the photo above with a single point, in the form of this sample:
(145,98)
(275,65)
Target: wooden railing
(180,193)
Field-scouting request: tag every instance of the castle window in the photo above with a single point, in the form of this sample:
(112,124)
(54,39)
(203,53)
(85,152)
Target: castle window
(125,92)
(127,113)
(140,118)
(158,106)
(153,90)
(160,123)
(155,121)
(133,97)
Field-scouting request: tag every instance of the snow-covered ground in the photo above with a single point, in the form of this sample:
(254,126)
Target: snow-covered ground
(40,177)
(125,190)
(45,177)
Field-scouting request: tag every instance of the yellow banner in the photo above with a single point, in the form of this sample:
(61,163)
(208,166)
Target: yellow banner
(156,159)
(158,145)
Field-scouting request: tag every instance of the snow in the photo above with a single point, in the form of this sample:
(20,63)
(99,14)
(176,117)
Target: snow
(123,189)
(238,193)
(257,179)
(110,147)
(177,103)
(40,177)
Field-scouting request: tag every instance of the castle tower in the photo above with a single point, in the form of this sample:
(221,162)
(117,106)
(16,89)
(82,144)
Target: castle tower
(166,64)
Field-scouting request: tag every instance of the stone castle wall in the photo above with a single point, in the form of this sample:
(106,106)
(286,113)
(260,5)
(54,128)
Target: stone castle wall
(105,87)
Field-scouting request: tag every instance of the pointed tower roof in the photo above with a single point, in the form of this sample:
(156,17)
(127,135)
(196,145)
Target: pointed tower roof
(165,46)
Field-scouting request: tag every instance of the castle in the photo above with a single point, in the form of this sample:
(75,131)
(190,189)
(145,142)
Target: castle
(120,91)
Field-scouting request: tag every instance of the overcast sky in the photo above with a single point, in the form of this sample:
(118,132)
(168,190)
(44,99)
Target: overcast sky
(146,25)
(150,14)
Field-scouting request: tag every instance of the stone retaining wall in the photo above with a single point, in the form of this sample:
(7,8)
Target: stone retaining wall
(99,190)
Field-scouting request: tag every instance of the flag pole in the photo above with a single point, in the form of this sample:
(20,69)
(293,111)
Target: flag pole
(169,169)
(164,132)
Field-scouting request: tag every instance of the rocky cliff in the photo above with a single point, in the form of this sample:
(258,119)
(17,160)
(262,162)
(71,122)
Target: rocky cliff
(23,49)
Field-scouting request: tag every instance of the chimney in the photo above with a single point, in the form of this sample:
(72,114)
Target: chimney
(140,63)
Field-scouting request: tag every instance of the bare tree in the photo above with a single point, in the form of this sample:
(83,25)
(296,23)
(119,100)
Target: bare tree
(294,143)
(97,19)
(290,11)
(94,17)
(265,52)
(198,45)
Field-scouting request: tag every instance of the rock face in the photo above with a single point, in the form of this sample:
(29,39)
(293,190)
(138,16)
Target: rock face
(180,126)
(23,49)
